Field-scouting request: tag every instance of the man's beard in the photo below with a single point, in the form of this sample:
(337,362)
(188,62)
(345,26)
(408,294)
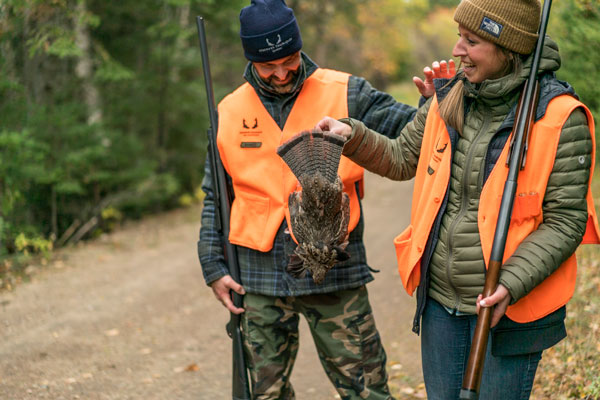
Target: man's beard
(286,88)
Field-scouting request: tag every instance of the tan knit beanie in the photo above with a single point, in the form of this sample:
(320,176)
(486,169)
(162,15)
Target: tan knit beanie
(512,24)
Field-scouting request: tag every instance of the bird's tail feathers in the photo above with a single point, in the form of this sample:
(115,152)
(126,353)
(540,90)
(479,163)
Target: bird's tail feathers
(312,152)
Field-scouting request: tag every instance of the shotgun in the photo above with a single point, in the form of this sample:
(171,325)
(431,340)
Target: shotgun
(223,197)
(524,121)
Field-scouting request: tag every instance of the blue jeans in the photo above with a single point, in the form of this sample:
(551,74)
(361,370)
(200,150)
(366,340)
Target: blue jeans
(445,344)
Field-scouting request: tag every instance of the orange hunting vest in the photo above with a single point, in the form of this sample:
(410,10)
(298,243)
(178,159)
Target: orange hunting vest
(431,182)
(248,138)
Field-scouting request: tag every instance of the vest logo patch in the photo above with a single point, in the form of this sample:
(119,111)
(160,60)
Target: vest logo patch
(490,26)
(250,127)
(254,125)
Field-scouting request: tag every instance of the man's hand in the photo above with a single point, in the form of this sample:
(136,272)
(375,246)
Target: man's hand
(500,298)
(440,69)
(334,126)
(221,289)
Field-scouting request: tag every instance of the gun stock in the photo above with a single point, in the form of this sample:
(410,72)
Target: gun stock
(223,197)
(523,124)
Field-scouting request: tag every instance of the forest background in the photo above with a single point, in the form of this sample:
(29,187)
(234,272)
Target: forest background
(103,114)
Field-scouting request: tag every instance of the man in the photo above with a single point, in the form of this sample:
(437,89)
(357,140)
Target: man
(285,93)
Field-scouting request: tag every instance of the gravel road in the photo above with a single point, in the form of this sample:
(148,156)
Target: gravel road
(128,316)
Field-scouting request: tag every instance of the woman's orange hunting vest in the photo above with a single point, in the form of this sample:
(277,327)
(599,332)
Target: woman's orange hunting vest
(248,138)
(431,182)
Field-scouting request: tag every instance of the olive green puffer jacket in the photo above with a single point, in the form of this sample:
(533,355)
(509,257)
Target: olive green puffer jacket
(457,270)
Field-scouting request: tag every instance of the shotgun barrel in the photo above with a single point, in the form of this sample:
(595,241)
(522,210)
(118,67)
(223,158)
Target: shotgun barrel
(223,197)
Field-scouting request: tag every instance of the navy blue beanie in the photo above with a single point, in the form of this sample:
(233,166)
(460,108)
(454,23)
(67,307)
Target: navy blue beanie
(269,30)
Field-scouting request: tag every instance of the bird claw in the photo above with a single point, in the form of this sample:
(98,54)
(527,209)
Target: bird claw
(296,266)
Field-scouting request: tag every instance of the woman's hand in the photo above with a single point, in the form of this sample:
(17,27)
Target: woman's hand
(334,126)
(440,69)
(500,298)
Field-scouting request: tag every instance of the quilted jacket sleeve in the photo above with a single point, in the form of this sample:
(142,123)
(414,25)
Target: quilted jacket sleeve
(377,110)
(564,209)
(392,158)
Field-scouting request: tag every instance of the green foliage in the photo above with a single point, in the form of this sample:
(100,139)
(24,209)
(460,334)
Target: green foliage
(58,169)
(111,72)
(36,244)
(576,26)
(152,194)
(434,38)
(111,217)
(20,154)
(129,134)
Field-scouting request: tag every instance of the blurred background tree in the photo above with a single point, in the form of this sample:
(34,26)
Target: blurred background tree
(575,24)
(102,104)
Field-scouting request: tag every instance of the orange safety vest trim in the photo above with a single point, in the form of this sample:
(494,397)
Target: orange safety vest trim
(431,182)
(248,138)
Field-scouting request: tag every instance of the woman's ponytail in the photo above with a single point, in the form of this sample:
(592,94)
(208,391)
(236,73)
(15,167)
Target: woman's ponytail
(452,107)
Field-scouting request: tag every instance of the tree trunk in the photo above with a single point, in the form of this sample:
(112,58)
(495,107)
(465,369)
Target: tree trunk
(33,78)
(84,67)
(170,73)
(6,49)
(161,117)
(54,212)
(183,17)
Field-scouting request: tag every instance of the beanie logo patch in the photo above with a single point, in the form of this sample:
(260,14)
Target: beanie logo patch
(490,26)
(273,44)
(275,47)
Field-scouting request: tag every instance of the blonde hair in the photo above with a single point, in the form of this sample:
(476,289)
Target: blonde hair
(452,107)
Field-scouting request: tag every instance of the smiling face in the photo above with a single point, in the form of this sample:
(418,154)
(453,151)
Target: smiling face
(480,58)
(280,74)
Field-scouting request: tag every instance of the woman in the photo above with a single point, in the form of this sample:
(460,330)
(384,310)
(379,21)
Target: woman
(456,148)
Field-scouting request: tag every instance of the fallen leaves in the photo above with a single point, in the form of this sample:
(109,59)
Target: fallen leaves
(190,368)
(401,385)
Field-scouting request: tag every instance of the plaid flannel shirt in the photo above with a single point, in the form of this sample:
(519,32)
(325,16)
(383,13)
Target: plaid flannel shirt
(264,272)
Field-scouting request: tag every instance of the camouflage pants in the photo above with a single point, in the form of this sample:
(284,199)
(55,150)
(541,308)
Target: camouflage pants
(344,333)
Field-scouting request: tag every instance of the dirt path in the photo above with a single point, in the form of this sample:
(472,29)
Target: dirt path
(129,316)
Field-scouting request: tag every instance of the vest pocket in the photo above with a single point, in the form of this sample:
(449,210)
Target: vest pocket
(249,216)
(526,206)
(404,244)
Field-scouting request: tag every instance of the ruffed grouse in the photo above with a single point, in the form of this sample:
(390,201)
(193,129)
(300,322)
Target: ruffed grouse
(321,210)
